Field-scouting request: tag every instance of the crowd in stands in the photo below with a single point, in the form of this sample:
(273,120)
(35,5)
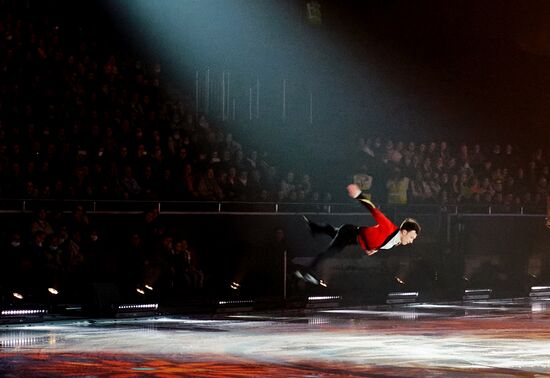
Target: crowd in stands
(70,253)
(462,174)
(81,119)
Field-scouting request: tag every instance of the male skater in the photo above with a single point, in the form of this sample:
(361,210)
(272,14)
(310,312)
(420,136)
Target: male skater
(384,235)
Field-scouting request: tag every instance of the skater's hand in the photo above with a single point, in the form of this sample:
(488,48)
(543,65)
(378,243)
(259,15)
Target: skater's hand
(353,190)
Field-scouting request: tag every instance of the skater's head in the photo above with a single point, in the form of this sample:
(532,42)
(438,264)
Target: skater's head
(409,230)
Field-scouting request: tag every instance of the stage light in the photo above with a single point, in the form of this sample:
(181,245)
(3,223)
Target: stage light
(73,308)
(540,287)
(18,295)
(399,280)
(473,294)
(245,301)
(146,306)
(142,291)
(540,292)
(323,298)
(136,309)
(235,305)
(402,297)
(19,312)
(235,286)
(53,291)
(324,301)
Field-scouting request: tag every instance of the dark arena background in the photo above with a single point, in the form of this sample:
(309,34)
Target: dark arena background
(162,162)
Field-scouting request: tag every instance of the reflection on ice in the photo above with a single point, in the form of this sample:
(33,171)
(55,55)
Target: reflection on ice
(411,340)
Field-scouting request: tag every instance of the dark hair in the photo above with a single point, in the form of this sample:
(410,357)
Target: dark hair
(410,224)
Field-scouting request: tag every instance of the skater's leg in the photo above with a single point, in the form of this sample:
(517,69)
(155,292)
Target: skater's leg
(345,235)
(320,228)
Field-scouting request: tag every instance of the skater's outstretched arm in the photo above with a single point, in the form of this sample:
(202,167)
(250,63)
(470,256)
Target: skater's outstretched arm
(355,192)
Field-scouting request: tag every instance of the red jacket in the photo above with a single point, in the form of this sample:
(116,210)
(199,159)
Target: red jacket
(373,238)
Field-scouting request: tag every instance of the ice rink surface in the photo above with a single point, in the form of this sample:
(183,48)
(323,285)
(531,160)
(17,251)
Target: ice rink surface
(492,338)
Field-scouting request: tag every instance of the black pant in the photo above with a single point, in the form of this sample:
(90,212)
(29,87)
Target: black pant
(342,237)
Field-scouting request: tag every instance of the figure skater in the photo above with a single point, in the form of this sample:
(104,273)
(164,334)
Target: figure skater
(384,235)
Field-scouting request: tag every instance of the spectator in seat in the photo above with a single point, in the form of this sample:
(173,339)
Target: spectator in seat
(41,223)
(208,188)
(398,187)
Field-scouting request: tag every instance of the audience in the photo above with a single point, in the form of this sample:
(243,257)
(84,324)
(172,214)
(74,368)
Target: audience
(448,174)
(81,119)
